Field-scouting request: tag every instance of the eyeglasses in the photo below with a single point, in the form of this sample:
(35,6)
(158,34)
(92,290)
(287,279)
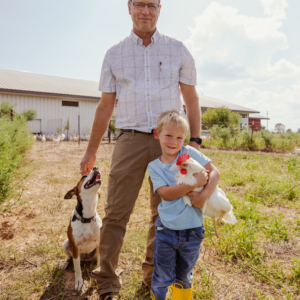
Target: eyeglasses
(141,5)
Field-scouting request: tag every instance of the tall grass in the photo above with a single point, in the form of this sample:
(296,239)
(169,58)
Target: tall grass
(261,141)
(15,139)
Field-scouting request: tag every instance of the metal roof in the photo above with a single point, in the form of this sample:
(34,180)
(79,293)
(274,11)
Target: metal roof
(47,85)
(208,102)
(256,116)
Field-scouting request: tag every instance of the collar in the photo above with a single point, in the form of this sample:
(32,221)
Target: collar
(137,40)
(82,219)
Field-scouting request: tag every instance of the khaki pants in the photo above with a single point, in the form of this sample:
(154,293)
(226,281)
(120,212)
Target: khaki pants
(131,155)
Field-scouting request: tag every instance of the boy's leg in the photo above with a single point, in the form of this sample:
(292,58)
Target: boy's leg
(164,258)
(155,199)
(188,255)
(126,176)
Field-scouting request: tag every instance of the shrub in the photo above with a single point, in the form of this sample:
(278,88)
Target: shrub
(29,114)
(248,140)
(15,139)
(224,134)
(223,117)
(268,137)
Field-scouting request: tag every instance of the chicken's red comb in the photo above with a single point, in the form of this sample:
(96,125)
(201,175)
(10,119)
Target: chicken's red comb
(182,158)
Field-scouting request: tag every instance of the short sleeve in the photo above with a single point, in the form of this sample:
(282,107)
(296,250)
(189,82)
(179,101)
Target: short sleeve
(107,82)
(156,178)
(187,72)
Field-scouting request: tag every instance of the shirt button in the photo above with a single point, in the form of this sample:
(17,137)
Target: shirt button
(147,94)
(146,66)
(146,51)
(147,79)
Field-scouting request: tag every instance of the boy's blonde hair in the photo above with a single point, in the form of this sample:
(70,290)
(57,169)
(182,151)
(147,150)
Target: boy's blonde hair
(171,117)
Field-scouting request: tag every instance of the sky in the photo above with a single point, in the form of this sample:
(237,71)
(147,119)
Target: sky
(246,52)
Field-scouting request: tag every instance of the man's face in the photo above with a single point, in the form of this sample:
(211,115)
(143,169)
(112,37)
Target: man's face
(144,20)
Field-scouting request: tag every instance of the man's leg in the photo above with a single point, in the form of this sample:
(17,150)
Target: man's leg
(129,163)
(155,199)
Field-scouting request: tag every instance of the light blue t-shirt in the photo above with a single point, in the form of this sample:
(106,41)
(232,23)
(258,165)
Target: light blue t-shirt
(175,214)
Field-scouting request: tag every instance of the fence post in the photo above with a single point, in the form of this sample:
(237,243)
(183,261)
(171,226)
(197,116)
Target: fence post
(78,129)
(12,114)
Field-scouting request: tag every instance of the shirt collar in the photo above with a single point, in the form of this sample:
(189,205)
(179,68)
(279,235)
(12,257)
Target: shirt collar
(137,40)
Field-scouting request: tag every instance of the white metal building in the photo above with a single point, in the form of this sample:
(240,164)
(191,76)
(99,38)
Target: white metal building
(56,99)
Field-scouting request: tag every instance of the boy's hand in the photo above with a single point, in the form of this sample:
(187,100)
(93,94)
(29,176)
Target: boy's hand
(197,199)
(201,178)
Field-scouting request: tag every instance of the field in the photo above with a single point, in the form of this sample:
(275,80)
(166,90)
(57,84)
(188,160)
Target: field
(258,258)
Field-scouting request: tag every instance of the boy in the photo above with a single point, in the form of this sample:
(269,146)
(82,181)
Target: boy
(179,228)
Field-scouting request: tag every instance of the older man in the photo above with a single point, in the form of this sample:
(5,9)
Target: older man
(147,70)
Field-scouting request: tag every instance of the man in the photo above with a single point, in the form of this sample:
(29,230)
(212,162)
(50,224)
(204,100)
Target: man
(145,70)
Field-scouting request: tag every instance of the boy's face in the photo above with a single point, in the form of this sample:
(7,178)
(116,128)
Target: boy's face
(171,139)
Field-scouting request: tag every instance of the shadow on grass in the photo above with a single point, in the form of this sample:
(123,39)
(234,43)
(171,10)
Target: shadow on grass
(63,283)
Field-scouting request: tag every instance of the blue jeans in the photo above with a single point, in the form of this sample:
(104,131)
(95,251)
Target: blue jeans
(175,253)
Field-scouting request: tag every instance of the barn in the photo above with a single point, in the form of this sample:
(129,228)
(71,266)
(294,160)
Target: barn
(255,121)
(56,99)
(60,99)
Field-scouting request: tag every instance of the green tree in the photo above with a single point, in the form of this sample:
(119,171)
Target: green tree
(289,130)
(5,108)
(222,117)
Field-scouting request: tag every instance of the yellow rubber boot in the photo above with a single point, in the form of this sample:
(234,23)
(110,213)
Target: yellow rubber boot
(179,293)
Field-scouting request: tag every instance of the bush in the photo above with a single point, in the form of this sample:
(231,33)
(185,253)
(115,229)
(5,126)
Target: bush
(15,139)
(222,117)
(29,114)
(268,138)
(249,140)
(224,134)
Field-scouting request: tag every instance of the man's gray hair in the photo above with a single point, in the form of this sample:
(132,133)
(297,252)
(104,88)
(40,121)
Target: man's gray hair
(131,0)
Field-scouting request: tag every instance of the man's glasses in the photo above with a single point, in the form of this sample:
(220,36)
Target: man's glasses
(141,5)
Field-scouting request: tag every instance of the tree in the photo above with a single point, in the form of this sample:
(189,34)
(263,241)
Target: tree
(280,128)
(5,108)
(298,130)
(289,130)
(222,117)
(67,127)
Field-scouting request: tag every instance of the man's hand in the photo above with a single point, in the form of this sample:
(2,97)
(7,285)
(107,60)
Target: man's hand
(87,164)
(201,178)
(197,198)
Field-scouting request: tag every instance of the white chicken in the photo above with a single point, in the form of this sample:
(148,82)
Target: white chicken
(43,139)
(57,141)
(62,137)
(217,206)
(297,150)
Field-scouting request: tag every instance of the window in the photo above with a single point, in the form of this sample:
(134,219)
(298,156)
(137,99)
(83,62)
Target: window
(70,103)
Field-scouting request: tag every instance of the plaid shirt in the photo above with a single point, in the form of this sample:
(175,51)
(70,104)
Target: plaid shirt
(146,79)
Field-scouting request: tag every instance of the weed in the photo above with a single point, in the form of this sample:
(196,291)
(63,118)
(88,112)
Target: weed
(277,231)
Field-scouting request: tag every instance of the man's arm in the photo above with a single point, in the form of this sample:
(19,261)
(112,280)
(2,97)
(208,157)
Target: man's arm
(103,116)
(169,193)
(199,198)
(191,100)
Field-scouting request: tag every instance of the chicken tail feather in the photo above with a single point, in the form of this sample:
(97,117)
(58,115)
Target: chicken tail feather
(229,218)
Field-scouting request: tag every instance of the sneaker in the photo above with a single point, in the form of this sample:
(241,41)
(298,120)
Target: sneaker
(108,296)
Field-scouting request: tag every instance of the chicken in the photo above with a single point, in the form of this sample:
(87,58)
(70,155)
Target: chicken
(217,206)
(43,139)
(297,150)
(62,137)
(57,141)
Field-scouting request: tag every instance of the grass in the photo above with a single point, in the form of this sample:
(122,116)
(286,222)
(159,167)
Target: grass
(258,258)
(15,140)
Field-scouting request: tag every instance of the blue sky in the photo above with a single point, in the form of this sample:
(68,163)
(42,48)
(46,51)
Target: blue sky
(246,52)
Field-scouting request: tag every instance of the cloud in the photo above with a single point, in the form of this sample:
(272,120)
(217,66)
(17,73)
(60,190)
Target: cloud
(229,46)
(275,8)
(282,104)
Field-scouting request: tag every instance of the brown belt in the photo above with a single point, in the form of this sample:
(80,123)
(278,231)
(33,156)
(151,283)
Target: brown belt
(136,131)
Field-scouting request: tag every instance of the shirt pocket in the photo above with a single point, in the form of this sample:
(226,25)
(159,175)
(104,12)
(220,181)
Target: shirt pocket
(168,74)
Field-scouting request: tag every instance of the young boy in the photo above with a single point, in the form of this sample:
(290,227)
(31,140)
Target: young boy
(179,228)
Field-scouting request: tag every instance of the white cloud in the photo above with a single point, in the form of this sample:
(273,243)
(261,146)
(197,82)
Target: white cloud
(275,8)
(283,105)
(229,46)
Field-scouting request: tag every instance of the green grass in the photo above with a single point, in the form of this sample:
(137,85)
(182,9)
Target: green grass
(257,258)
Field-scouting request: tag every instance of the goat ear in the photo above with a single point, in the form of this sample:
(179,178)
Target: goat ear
(70,193)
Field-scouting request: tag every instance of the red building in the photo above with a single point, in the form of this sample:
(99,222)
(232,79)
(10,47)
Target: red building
(255,121)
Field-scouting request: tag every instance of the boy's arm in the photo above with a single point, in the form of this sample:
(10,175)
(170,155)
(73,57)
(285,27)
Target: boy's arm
(169,193)
(199,198)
